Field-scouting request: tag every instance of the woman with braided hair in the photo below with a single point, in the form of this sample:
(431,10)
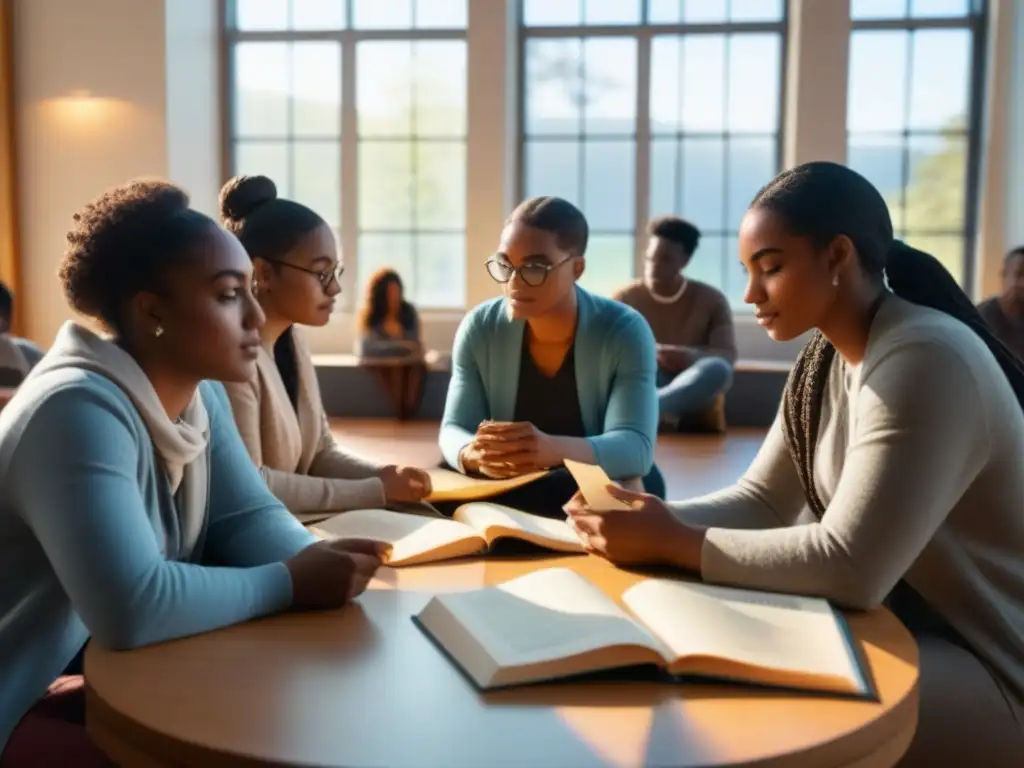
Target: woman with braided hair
(894,473)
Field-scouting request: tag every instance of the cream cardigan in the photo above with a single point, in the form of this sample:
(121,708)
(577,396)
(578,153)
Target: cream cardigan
(294,447)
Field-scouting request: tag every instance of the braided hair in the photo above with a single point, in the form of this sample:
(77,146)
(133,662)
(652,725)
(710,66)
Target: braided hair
(822,201)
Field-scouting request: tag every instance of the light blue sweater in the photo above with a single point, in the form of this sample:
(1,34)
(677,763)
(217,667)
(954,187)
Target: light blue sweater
(615,381)
(85,511)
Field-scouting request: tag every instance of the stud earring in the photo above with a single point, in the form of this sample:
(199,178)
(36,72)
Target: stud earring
(835,280)
(159,331)
(255,288)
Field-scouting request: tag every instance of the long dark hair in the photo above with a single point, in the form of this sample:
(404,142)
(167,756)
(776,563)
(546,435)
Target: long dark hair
(822,201)
(375,304)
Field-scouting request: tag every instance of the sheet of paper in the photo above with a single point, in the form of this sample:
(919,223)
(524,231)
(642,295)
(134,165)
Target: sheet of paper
(593,484)
(454,486)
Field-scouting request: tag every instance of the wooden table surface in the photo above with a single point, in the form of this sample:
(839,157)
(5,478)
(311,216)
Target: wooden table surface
(363,686)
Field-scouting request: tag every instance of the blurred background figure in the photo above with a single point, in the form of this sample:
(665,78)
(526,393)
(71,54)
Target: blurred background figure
(17,356)
(1005,313)
(389,341)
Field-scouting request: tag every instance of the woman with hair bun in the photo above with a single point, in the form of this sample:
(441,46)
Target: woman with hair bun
(131,512)
(279,412)
(902,432)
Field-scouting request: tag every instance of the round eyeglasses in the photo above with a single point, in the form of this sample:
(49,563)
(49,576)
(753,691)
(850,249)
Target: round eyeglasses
(533,274)
(323,275)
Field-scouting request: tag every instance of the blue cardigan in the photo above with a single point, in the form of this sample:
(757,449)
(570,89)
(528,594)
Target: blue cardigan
(84,515)
(615,381)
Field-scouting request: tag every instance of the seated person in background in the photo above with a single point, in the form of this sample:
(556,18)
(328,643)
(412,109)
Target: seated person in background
(17,356)
(389,341)
(131,512)
(692,325)
(902,432)
(1005,312)
(549,371)
(279,411)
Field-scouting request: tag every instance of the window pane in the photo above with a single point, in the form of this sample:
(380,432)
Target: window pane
(878,81)
(610,85)
(385,185)
(553,168)
(261,89)
(703,83)
(880,159)
(382,14)
(265,158)
(665,91)
(316,88)
(664,11)
(878,9)
(554,88)
(752,164)
(703,183)
(706,264)
(317,178)
(440,88)
(754,67)
(939,8)
(697,11)
(611,11)
(755,10)
(252,15)
(935,184)
(664,157)
(440,271)
(384,84)
(947,249)
(441,14)
(318,14)
(609,184)
(941,70)
(377,251)
(544,13)
(440,185)
(610,260)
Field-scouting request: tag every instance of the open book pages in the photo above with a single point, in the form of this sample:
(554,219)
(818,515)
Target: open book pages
(554,623)
(455,486)
(593,484)
(473,529)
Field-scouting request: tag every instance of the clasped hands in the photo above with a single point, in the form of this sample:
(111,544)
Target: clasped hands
(647,533)
(504,449)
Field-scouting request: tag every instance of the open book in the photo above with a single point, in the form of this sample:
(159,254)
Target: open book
(554,624)
(473,529)
(455,486)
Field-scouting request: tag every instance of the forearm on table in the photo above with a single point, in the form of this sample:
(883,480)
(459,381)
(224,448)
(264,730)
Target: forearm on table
(307,493)
(576,449)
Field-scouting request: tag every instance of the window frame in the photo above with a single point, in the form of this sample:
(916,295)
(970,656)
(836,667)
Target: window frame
(348,38)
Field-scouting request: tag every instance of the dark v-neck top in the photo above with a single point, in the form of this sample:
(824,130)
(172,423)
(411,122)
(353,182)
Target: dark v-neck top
(550,403)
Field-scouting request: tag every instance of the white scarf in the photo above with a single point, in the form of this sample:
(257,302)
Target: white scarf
(180,445)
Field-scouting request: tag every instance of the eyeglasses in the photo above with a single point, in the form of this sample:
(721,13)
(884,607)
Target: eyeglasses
(533,274)
(324,276)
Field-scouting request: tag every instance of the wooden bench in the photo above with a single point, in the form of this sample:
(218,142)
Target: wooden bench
(351,391)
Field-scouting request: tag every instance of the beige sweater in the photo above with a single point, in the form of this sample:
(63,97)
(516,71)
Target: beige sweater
(296,452)
(920,463)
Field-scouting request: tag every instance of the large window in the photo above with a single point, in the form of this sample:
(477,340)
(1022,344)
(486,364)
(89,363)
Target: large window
(916,70)
(638,108)
(358,109)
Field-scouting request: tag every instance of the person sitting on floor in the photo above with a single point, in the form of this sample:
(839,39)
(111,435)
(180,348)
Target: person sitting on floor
(901,432)
(131,512)
(692,325)
(1005,312)
(549,371)
(17,356)
(390,343)
(279,411)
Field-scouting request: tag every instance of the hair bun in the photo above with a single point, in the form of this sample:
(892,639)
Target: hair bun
(244,194)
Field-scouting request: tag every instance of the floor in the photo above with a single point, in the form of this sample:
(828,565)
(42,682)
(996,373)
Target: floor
(692,465)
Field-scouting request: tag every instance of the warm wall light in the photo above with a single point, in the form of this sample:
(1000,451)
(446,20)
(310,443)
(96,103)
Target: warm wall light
(83,115)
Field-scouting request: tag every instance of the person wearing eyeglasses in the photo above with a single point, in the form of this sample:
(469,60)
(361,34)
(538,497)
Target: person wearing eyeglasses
(279,412)
(549,371)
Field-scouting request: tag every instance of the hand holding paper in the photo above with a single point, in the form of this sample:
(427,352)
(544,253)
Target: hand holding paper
(593,484)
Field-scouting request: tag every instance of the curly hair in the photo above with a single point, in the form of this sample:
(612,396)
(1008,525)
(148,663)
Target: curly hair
(268,226)
(675,230)
(375,302)
(123,242)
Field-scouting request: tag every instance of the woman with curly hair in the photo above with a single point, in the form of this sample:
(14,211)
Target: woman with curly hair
(389,342)
(131,512)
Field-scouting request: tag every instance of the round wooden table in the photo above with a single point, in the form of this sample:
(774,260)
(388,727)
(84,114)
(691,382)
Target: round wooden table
(363,686)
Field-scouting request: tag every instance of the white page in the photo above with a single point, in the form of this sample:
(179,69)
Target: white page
(593,484)
(409,535)
(483,514)
(784,632)
(454,486)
